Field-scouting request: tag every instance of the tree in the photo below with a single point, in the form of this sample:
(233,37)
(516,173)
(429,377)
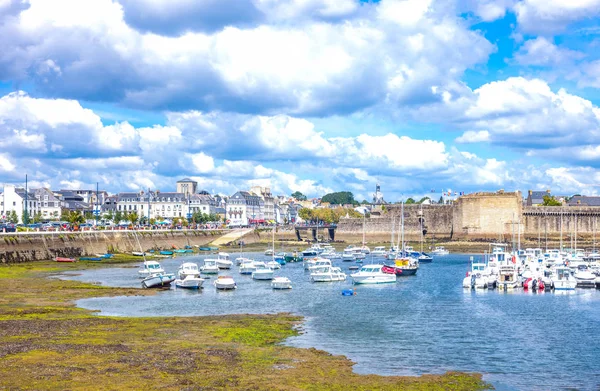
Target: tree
(132,217)
(75,217)
(339,198)
(551,201)
(25,217)
(109,216)
(299,196)
(441,200)
(409,201)
(423,200)
(55,215)
(117,217)
(12,217)
(88,215)
(37,217)
(305,214)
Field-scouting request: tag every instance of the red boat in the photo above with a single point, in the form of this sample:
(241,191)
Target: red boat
(61,259)
(391,270)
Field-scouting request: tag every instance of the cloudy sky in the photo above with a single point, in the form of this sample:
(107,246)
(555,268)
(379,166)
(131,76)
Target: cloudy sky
(307,95)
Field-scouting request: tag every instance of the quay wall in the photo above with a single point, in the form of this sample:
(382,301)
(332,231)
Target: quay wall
(38,246)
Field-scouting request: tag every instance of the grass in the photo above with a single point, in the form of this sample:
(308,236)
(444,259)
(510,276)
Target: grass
(48,343)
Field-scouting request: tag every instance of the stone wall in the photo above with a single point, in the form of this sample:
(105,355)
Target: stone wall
(45,246)
(547,221)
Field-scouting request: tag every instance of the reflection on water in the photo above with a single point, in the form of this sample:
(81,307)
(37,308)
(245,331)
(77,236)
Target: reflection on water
(421,324)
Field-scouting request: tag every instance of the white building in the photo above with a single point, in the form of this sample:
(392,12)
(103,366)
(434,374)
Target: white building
(155,204)
(244,209)
(269,201)
(13,198)
(202,202)
(49,204)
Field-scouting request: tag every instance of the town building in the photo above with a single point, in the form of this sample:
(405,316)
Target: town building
(202,202)
(70,200)
(15,199)
(536,198)
(578,200)
(187,186)
(49,204)
(378,196)
(153,204)
(269,201)
(244,209)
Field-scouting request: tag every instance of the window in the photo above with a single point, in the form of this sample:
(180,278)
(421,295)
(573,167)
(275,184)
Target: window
(46,197)
(14,203)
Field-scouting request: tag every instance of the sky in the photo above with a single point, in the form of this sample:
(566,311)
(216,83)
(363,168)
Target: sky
(420,96)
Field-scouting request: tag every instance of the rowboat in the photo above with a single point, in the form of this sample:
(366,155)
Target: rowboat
(61,259)
(90,258)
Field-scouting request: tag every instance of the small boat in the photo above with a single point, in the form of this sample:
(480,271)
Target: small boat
(274,265)
(440,250)
(327,274)
(223,261)
(585,279)
(158,280)
(187,247)
(262,272)
(348,292)
(247,266)
(353,268)
(348,255)
(166,252)
(105,256)
(379,251)
(425,258)
(182,251)
(149,268)
(372,274)
(294,257)
(281,283)
(188,276)
(210,267)
(90,258)
(280,258)
(204,249)
(138,254)
(224,283)
(269,252)
(562,279)
(407,266)
(62,259)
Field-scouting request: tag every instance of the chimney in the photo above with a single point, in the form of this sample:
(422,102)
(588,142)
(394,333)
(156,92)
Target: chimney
(530,192)
(548,191)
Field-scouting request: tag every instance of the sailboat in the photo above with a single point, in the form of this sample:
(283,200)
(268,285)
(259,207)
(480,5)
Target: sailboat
(273,264)
(152,273)
(423,258)
(404,264)
(364,249)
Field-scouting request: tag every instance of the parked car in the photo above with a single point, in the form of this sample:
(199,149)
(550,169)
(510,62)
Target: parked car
(8,227)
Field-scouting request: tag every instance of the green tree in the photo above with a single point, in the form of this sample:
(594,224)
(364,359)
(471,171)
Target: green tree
(551,201)
(409,201)
(88,215)
(108,216)
(132,218)
(305,214)
(75,217)
(55,215)
(299,196)
(117,217)
(37,217)
(25,217)
(339,198)
(441,200)
(423,200)
(13,217)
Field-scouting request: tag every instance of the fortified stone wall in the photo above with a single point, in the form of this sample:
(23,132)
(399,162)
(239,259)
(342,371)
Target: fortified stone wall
(547,221)
(487,215)
(46,246)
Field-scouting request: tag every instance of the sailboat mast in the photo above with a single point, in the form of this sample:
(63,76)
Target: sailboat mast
(273,256)
(392,239)
(421,225)
(402,226)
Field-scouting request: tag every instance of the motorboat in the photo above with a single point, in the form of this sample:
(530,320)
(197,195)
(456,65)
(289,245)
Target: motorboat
(138,254)
(508,278)
(240,260)
(372,274)
(262,271)
(424,258)
(223,261)
(247,266)
(533,284)
(359,254)
(308,262)
(280,258)
(312,251)
(269,252)
(440,250)
(379,251)
(281,283)
(210,267)
(407,266)
(190,282)
(225,283)
(274,265)
(562,279)
(348,255)
(365,249)
(158,280)
(319,263)
(327,274)
(150,267)
(188,269)
(475,279)
(585,278)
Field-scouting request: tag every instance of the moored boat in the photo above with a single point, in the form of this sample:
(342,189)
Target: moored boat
(281,283)
(225,283)
(327,274)
(64,259)
(158,280)
(149,268)
(440,250)
(210,267)
(262,272)
(223,261)
(372,274)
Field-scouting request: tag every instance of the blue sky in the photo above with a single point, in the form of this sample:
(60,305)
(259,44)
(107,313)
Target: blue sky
(302,95)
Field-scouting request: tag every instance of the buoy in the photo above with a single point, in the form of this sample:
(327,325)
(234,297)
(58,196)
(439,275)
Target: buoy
(348,292)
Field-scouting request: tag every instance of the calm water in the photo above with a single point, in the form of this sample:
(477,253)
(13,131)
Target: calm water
(421,324)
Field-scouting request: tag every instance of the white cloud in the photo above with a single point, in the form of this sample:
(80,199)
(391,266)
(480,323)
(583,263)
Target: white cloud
(471,136)
(549,16)
(541,52)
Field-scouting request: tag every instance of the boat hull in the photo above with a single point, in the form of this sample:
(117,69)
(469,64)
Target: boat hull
(281,283)
(157,281)
(61,259)
(262,275)
(189,283)
(359,280)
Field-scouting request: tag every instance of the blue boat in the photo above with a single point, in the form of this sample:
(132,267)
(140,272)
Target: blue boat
(348,292)
(106,256)
(90,259)
(166,252)
(280,258)
(188,247)
(178,251)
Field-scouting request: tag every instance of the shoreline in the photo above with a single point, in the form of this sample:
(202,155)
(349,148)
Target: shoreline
(63,346)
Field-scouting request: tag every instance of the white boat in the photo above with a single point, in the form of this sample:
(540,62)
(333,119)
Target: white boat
(312,251)
(138,253)
(247,266)
(149,268)
(476,279)
(327,274)
(281,283)
(440,250)
(585,279)
(210,267)
(372,274)
(240,260)
(223,261)
(365,249)
(158,280)
(224,283)
(358,254)
(274,265)
(188,276)
(348,255)
(319,263)
(562,279)
(308,262)
(262,272)
(379,251)
(508,278)
(269,252)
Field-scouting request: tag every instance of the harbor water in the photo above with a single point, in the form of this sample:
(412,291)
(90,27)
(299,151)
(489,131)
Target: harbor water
(421,324)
